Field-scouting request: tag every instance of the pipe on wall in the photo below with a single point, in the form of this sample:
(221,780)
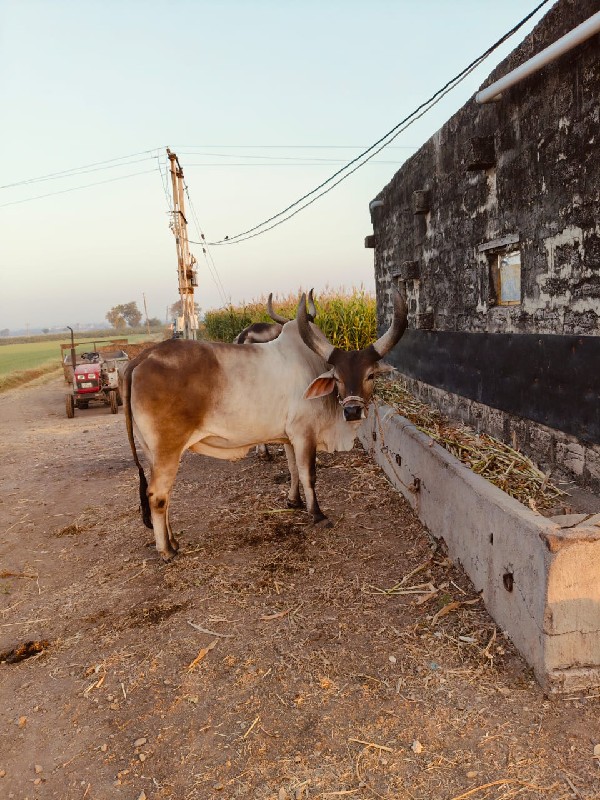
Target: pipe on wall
(567,42)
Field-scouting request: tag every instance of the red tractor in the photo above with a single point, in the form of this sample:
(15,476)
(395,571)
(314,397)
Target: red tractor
(96,379)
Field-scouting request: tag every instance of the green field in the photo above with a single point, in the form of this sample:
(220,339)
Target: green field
(348,317)
(39,355)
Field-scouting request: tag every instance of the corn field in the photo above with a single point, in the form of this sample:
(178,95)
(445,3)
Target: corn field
(347,317)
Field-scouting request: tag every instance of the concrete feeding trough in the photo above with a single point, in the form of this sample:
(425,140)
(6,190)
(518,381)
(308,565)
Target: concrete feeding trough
(539,577)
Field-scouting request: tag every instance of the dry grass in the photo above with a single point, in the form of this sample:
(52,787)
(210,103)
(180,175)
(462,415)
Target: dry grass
(134,350)
(502,465)
(21,377)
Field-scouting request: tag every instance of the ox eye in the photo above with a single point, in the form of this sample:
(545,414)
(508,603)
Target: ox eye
(371,376)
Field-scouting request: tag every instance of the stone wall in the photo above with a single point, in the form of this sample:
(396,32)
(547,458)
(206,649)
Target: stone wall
(516,179)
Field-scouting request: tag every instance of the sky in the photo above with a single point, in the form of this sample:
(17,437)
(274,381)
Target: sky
(261,100)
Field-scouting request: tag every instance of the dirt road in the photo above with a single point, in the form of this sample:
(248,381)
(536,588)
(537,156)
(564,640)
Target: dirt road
(271,660)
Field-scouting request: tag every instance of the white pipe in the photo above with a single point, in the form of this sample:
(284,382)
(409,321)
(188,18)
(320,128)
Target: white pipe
(551,53)
(375,204)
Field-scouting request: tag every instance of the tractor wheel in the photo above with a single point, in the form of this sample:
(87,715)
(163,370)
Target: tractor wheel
(119,398)
(114,403)
(70,403)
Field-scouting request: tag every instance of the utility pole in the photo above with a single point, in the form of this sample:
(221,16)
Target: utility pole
(146,313)
(187,275)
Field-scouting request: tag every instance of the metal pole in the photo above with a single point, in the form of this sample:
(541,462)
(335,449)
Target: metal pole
(146,312)
(73,356)
(185,261)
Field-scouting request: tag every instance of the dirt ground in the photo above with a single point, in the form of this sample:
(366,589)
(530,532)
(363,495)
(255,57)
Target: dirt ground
(270,660)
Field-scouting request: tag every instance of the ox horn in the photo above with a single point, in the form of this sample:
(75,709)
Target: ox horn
(312,309)
(273,314)
(392,336)
(312,337)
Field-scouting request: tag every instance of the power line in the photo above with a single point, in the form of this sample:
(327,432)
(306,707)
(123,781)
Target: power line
(285,147)
(110,163)
(383,140)
(360,160)
(164,179)
(329,159)
(206,252)
(74,170)
(343,177)
(77,188)
(75,174)
(308,163)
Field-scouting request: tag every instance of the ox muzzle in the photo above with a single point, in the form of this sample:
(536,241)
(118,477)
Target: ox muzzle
(354,408)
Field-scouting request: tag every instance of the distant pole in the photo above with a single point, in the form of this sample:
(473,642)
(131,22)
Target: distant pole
(187,275)
(146,312)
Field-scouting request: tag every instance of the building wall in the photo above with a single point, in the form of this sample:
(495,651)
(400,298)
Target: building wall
(522,176)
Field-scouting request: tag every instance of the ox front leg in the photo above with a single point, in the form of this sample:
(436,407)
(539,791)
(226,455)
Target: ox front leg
(294,500)
(306,460)
(159,491)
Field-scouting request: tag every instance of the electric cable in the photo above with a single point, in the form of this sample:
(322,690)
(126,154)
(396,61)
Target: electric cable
(77,188)
(206,251)
(181,148)
(296,159)
(75,170)
(385,139)
(64,175)
(164,182)
(342,178)
(286,163)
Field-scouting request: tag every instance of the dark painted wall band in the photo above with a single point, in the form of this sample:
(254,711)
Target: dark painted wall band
(552,380)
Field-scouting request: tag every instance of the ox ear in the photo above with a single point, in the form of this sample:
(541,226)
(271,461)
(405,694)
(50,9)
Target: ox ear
(321,386)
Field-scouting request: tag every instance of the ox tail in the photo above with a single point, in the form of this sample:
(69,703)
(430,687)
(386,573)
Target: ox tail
(144,502)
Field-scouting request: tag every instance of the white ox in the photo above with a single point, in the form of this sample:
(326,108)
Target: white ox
(220,400)
(261,332)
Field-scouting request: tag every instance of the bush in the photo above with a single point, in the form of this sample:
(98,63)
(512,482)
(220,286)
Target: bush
(347,317)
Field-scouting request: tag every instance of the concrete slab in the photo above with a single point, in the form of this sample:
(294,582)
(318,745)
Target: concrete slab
(539,581)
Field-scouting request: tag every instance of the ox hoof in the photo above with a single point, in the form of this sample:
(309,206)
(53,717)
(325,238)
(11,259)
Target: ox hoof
(167,555)
(322,522)
(294,503)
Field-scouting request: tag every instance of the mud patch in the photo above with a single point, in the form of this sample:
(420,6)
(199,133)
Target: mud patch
(152,615)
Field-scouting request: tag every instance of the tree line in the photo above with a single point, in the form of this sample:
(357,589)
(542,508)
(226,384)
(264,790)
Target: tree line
(129,314)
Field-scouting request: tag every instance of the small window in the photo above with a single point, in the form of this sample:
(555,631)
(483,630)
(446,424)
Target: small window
(505,278)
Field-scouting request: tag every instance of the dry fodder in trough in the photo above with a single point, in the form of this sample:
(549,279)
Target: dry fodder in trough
(499,463)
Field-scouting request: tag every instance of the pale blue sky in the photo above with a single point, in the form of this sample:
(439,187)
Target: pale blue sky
(83,81)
